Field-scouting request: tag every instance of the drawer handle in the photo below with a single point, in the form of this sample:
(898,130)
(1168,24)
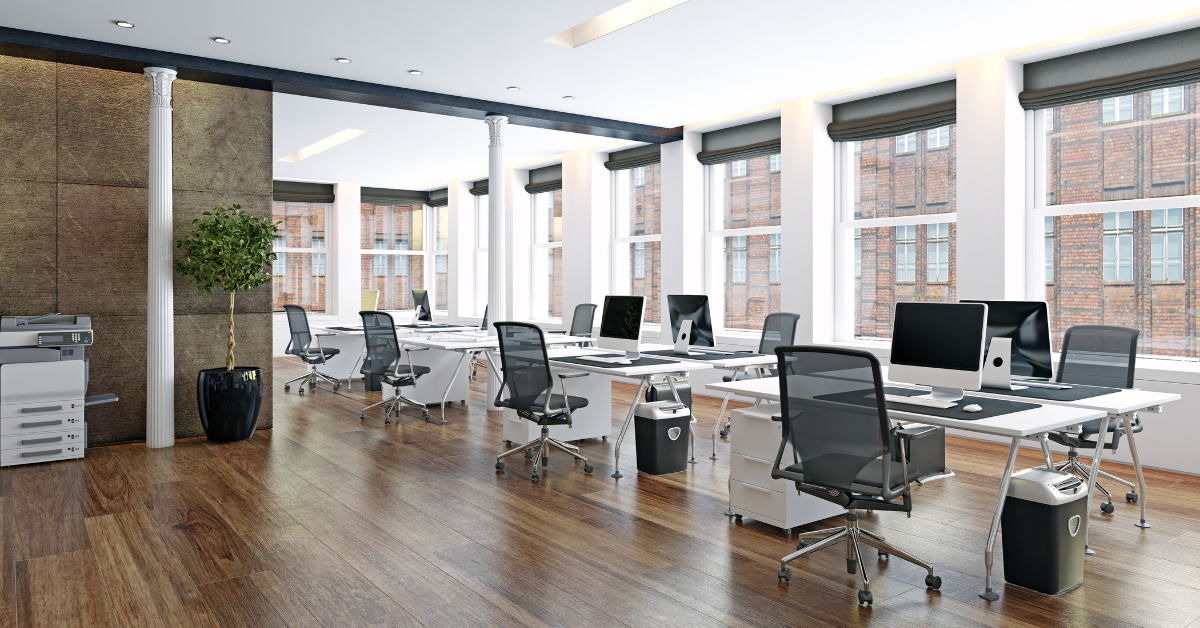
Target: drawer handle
(751,486)
(42,423)
(42,409)
(42,441)
(766,462)
(34,454)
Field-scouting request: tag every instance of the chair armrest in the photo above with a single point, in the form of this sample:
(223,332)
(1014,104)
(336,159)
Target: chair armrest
(411,349)
(778,418)
(914,433)
(557,331)
(572,375)
(324,334)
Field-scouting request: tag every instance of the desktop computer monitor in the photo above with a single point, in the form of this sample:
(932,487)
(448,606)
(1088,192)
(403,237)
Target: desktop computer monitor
(621,324)
(422,306)
(939,345)
(1027,323)
(693,307)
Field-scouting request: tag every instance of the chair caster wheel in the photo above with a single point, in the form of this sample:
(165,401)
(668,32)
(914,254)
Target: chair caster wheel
(724,433)
(387,421)
(1131,497)
(726,426)
(801,545)
(300,390)
(286,388)
(335,388)
(1107,508)
(587,468)
(535,477)
(864,597)
(528,455)
(785,575)
(933,582)
(883,555)
(500,466)
(428,418)
(738,517)
(604,439)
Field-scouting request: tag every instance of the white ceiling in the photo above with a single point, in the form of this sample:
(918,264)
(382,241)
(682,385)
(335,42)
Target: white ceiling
(700,60)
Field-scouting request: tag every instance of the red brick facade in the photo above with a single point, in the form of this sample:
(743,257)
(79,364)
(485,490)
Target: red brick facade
(392,228)
(752,198)
(645,218)
(301,282)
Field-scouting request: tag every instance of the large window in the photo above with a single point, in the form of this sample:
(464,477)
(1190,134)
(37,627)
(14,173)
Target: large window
(298,274)
(744,246)
(897,211)
(547,254)
(481,254)
(394,235)
(636,232)
(441,257)
(1119,205)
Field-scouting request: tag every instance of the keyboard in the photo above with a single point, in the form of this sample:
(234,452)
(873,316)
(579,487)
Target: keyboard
(1033,384)
(924,402)
(596,358)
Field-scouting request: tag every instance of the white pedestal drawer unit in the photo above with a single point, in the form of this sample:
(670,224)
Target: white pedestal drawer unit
(41,411)
(753,442)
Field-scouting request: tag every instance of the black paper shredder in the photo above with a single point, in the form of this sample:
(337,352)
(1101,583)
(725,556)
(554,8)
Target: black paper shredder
(1044,530)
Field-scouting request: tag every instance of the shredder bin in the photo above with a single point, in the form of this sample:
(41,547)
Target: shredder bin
(661,429)
(1044,530)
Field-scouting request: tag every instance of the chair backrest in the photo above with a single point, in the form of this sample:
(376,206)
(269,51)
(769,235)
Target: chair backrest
(1098,355)
(526,366)
(485,321)
(297,320)
(779,329)
(383,349)
(834,414)
(581,322)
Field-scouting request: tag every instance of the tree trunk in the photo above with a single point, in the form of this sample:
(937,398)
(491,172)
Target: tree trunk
(229,354)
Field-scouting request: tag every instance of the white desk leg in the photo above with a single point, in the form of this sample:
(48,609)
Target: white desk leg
(625,427)
(691,422)
(717,425)
(1095,474)
(453,377)
(988,593)
(1045,441)
(1137,467)
(350,376)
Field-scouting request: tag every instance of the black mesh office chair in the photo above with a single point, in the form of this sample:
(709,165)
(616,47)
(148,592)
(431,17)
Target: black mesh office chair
(475,361)
(383,360)
(1097,355)
(528,389)
(581,321)
(779,329)
(836,424)
(300,346)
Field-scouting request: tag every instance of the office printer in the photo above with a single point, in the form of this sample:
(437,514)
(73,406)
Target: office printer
(43,387)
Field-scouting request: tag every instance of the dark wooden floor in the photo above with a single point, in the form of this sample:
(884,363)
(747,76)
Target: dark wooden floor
(329,521)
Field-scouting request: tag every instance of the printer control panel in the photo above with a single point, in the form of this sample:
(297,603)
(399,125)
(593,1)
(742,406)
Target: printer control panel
(64,338)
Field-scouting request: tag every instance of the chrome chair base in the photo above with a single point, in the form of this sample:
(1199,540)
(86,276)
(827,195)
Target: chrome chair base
(393,405)
(1073,466)
(311,378)
(543,444)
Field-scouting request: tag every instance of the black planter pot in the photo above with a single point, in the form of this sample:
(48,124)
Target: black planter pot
(229,402)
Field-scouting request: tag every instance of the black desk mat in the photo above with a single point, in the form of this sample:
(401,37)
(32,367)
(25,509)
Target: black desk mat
(1076,392)
(700,357)
(435,326)
(637,362)
(346,328)
(991,407)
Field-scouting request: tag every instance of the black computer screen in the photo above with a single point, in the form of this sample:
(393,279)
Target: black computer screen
(1028,324)
(421,302)
(938,335)
(693,307)
(622,317)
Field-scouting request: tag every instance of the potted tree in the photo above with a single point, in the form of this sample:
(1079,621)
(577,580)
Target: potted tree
(229,249)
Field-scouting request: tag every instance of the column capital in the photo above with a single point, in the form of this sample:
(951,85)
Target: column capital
(160,86)
(496,129)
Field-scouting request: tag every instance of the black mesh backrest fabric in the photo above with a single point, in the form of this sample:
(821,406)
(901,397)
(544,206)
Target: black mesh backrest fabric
(833,437)
(298,325)
(526,368)
(585,316)
(1098,355)
(779,329)
(383,349)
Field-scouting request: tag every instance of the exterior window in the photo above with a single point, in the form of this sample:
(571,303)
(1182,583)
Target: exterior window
(1117,109)
(639,260)
(906,253)
(937,257)
(441,260)
(739,259)
(393,252)
(298,273)
(481,254)
(858,252)
(776,253)
(774,165)
(1049,119)
(639,176)
(318,264)
(1166,101)
(279,266)
(1118,246)
(1166,244)
(381,265)
(636,242)
(547,245)
(737,168)
(1048,239)
(744,269)
(906,143)
(938,138)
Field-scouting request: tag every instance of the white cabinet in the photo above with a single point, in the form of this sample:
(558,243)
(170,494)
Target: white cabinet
(753,442)
(41,411)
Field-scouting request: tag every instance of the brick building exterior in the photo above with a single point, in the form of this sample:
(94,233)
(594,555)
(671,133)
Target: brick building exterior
(554,256)
(753,198)
(392,228)
(645,218)
(295,278)
(909,175)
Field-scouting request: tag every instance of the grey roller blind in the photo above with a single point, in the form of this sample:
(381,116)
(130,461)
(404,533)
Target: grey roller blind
(545,179)
(741,142)
(479,188)
(385,196)
(299,192)
(634,157)
(897,113)
(1136,66)
(439,198)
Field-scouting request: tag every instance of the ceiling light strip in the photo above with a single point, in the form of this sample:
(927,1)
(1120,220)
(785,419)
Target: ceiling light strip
(611,21)
(341,137)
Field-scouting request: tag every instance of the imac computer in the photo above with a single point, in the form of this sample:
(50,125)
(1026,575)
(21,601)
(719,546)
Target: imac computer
(424,311)
(938,345)
(1026,326)
(621,327)
(691,307)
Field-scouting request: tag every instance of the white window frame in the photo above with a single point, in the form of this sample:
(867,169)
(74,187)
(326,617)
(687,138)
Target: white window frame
(1161,261)
(427,236)
(906,144)
(937,253)
(1111,109)
(541,251)
(937,139)
(776,163)
(281,252)
(775,257)
(437,255)
(1166,101)
(622,272)
(480,257)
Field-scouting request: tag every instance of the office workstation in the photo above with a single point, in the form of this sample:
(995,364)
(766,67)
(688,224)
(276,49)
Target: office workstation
(529,315)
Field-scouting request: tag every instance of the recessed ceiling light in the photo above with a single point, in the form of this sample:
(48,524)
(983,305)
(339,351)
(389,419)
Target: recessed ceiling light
(568,98)
(415,72)
(220,40)
(514,88)
(342,60)
(123,24)
(341,137)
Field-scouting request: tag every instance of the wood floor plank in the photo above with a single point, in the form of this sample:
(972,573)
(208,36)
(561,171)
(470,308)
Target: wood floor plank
(106,489)
(8,617)
(146,466)
(237,603)
(289,609)
(146,582)
(246,507)
(208,548)
(8,554)
(63,591)
(46,515)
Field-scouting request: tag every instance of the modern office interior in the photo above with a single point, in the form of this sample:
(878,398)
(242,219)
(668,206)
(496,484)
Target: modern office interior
(601,313)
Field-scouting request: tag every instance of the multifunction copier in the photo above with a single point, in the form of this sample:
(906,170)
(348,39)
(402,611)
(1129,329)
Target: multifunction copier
(43,388)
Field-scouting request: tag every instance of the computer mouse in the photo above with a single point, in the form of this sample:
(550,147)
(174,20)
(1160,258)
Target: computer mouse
(624,362)
(972,408)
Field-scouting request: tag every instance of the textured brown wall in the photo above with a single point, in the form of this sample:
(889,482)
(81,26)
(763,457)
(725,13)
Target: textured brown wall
(74,164)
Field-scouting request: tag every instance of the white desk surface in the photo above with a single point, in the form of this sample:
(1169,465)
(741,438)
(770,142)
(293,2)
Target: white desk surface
(620,370)
(401,331)
(732,362)
(449,344)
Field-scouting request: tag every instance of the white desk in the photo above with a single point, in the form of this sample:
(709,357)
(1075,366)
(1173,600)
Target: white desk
(349,340)
(1027,424)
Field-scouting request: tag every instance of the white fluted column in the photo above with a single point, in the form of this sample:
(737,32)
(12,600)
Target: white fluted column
(160,311)
(496,306)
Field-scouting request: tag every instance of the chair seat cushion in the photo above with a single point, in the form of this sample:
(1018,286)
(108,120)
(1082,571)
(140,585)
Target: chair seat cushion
(317,355)
(870,478)
(1086,440)
(403,372)
(1093,426)
(532,403)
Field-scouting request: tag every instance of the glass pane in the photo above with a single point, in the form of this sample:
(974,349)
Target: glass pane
(394,276)
(441,228)
(1136,146)
(890,257)
(441,282)
(643,271)
(393,227)
(638,201)
(303,224)
(298,279)
(554,216)
(554,281)
(749,292)
(745,193)
(899,176)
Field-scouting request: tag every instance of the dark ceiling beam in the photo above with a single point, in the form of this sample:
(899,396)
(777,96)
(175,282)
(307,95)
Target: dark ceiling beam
(22,43)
